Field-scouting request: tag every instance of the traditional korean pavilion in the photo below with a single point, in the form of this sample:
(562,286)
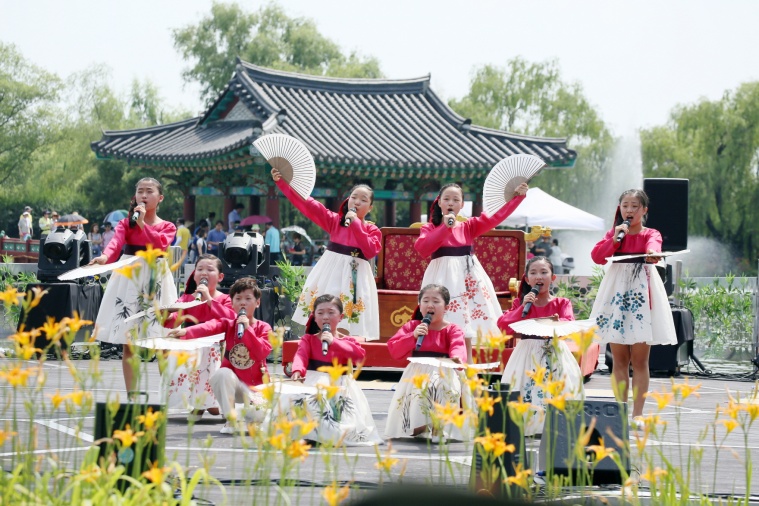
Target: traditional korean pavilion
(396,134)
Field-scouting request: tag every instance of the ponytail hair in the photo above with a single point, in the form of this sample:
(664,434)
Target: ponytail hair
(344,206)
(435,214)
(642,198)
(524,286)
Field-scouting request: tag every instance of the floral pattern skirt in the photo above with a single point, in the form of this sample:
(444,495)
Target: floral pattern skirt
(126,296)
(632,306)
(530,355)
(346,417)
(187,386)
(333,274)
(474,306)
(413,407)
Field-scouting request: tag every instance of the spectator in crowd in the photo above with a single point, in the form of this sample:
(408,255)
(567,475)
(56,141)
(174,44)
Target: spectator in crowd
(108,234)
(237,227)
(216,237)
(555,257)
(542,247)
(272,238)
(45,223)
(234,215)
(25,229)
(298,251)
(201,247)
(55,217)
(96,240)
(182,239)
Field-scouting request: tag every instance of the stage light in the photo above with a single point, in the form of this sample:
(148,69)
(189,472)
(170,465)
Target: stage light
(243,254)
(61,251)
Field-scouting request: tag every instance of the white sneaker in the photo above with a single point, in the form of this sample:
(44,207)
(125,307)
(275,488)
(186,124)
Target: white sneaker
(638,423)
(229,428)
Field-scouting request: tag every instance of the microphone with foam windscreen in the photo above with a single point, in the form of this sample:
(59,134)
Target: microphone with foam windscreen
(621,234)
(199,295)
(348,220)
(528,306)
(325,344)
(240,326)
(426,320)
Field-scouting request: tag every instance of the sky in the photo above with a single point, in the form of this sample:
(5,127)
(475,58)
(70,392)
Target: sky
(636,61)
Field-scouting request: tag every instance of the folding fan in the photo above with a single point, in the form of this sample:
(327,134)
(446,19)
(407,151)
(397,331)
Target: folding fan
(291,158)
(547,327)
(504,178)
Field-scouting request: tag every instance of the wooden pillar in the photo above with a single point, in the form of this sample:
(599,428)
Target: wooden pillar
(390,213)
(272,205)
(415,211)
(229,205)
(333,204)
(188,211)
(254,205)
(477,206)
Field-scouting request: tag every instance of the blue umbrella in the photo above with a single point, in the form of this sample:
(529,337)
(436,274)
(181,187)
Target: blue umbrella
(115,216)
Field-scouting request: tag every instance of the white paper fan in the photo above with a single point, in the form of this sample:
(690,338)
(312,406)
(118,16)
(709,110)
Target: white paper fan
(504,178)
(291,158)
(450,364)
(287,387)
(546,327)
(643,255)
(174,306)
(172,343)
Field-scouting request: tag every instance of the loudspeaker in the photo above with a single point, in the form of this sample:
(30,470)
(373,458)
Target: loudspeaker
(499,422)
(562,431)
(670,358)
(138,457)
(668,211)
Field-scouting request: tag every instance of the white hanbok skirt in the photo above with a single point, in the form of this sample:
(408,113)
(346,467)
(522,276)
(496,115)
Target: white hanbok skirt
(474,306)
(632,306)
(125,296)
(412,407)
(559,363)
(187,386)
(333,275)
(345,418)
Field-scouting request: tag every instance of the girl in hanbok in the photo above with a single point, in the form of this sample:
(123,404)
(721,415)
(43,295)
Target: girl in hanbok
(632,309)
(188,385)
(343,415)
(474,306)
(344,269)
(536,353)
(147,286)
(423,385)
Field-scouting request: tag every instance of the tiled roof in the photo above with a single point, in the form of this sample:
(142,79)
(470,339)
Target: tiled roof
(361,123)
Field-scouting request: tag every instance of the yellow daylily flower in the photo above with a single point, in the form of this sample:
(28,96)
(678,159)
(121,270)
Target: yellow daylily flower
(559,402)
(51,329)
(335,370)
(583,339)
(600,451)
(387,462)
(276,338)
(74,323)
(487,403)
(685,390)
(156,474)
(130,271)
(554,388)
(641,442)
(78,396)
(90,473)
(33,299)
(445,413)
(268,392)
(752,410)
(334,495)
(11,296)
(494,444)
(17,377)
(4,435)
(730,424)
(182,357)
(419,380)
(151,254)
(278,441)
(150,419)
(329,390)
(520,477)
(57,398)
(538,375)
(127,436)
(305,426)
(298,450)
(653,475)
(662,398)
(519,407)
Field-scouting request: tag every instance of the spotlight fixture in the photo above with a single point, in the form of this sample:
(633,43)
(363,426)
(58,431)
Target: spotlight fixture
(61,251)
(243,254)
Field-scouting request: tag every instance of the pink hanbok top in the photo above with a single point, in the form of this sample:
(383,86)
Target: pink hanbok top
(220,307)
(359,234)
(343,349)
(160,236)
(557,305)
(646,239)
(448,341)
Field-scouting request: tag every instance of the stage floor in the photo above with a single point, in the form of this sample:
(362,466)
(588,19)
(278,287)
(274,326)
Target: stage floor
(722,472)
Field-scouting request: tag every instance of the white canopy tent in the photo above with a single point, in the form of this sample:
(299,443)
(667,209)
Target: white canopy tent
(540,208)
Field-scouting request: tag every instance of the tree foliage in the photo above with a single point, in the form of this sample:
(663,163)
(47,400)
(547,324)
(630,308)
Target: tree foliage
(27,97)
(532,99)
(715,144)
(268,38)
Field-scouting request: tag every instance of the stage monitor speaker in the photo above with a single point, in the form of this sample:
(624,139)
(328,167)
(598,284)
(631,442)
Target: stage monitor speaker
(562,431)
(668,211)
(499,423)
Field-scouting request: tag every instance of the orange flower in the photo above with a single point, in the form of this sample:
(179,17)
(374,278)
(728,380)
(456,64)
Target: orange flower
(298,450)
(156,474)
(57,399)
(335,496)
(662,398)
(151,254)
(388,462)
(487,403)
(278,441)
(600,451)
(78,396)
(11,296)
(329,390)
(4,434)
(653,475)
(583,339)
(16,377)
(150,418)
(33,301)
(74,323)
(419,380)
(685,390)
(559,402)
(518,408)
(335,370)
(494,444)
(538,375)
(127,436)
(51,329)
(730,424)
(520,477)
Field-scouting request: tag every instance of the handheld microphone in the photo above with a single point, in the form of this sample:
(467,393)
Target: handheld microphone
(325,345)
(621,234)
(528,306)
(199,295)
(451,220)
(135,216)
(348,220)
(426,320)
(240,326)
